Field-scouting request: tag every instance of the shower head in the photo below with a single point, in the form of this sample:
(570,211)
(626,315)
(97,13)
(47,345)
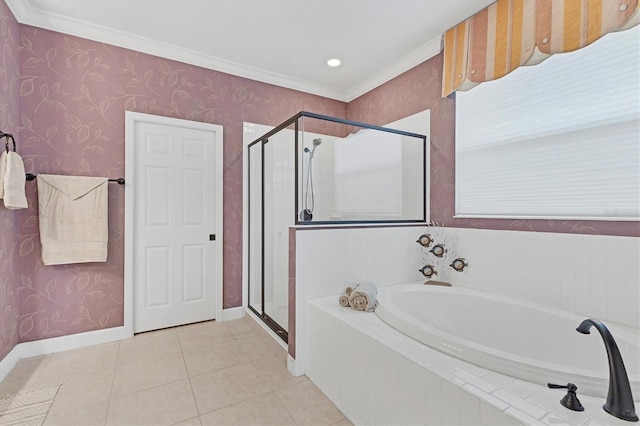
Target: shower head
(316,143)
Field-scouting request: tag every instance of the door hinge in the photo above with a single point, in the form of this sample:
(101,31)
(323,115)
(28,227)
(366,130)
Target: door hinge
(212,237)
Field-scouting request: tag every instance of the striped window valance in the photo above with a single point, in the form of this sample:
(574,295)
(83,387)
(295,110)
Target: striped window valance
(512,33)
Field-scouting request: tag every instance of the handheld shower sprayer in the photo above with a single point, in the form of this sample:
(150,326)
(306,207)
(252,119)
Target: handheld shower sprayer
(309,199)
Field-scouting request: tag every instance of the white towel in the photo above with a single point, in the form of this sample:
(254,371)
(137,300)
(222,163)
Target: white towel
(14,180)
(364,297)
(3,171)
(72,213)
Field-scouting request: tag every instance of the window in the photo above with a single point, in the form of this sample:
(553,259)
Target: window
(557,140)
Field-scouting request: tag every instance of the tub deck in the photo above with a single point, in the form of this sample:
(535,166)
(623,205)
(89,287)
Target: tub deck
(376,375)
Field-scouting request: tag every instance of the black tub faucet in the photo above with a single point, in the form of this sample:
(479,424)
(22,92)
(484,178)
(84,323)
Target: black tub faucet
(619,399)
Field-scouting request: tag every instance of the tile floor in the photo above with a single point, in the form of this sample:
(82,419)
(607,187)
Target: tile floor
(211,373)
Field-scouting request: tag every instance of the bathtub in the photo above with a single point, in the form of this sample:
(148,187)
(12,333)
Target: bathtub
(520,339)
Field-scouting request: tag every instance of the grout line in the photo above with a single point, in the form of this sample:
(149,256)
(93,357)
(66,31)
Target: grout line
(236,403)
(113,379)
(51,404)
(285,407)
(186,369)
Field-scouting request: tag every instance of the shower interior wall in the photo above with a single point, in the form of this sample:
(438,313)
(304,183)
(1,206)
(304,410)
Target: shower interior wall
(328,183)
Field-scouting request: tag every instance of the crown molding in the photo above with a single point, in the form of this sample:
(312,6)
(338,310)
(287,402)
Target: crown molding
(27,15)
(418,56)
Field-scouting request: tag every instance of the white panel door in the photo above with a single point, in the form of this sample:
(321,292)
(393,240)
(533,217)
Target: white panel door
(174,225)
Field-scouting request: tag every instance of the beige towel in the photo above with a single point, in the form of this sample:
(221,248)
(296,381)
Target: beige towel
(14,180)
(364,297)
(73,219)
(3,171)
(344,297)
(344,300)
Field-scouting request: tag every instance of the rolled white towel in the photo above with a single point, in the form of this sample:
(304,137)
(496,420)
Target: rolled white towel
(364,297)
(344,297)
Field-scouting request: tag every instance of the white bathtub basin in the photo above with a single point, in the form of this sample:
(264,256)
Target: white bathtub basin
(520,339)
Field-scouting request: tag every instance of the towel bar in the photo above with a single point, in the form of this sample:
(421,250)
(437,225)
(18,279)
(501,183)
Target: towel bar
(120,181)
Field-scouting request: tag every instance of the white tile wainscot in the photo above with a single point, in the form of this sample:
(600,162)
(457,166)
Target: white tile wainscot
(376,375)
(592,275)
(328,259)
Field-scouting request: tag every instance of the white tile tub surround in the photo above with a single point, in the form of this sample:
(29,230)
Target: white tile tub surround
(376,375)
(329,259)
(592,275)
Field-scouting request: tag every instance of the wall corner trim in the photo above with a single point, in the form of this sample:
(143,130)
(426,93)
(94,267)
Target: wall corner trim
(295,368)
(9,361)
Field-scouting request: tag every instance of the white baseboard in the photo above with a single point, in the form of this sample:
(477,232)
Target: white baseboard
(59,344)
(73,341)
(232,313)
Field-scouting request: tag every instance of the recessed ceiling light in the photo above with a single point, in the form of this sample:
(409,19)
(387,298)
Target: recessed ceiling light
(333,62)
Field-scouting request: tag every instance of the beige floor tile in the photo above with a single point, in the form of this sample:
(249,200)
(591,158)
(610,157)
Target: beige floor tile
(261,346)
(228,386)
(262,410)
(234,371)
(150,344)
(242,328)
(82,361)
(163,405)
(59,368)
(308,405)
(273,370)
(25,375)
(259,336)
(210,358)
(134,375)
(207,333)
(86,415)
(83,390)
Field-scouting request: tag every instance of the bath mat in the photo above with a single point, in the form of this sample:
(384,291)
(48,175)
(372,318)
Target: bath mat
(27,408)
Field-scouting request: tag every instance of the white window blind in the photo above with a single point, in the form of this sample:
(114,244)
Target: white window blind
(368,173)
(557,140)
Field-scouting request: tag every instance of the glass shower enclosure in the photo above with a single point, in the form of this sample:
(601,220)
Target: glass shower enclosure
(320,170)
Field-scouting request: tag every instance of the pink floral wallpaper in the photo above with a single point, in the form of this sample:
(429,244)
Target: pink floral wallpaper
(72,94)
(419,89)
(9,118)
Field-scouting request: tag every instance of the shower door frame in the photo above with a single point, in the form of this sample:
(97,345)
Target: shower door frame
(264,139)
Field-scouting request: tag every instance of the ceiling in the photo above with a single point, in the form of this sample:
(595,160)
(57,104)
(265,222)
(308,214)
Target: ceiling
(282,42)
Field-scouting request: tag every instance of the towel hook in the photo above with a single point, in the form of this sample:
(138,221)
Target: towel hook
(8,136)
